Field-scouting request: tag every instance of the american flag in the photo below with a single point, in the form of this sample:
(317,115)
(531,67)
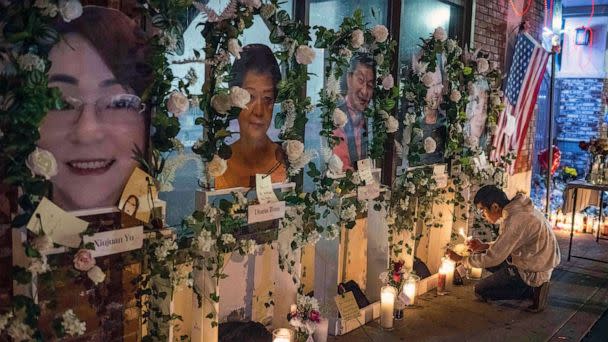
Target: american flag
(524,79)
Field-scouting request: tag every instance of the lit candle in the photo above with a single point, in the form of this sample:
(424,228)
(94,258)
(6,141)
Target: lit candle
(387,306)
(475,273)
(320,334)
(409,289)
(281,335)
(441,278)
(449,266)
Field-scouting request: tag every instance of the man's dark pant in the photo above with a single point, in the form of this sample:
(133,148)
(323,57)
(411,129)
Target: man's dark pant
(504,283)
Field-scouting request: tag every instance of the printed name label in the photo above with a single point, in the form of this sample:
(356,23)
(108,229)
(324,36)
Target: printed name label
(116,241)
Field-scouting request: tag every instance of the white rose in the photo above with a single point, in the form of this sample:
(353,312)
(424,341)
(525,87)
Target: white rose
(70,9)
(379,59)
(427,79)
(346,53)
(72,325)
(38,265)
(392,125)
(440,34)
(380,33)
(205,241)
(430,145)
(335,164)
(410,96)
(455,96)
(4,319)
(451,45)
(239,97)
(458,51)
(43,243)
(388,82)
(42,163)
(339,118)
(235,48)
(177,103)
(482,65)
(20,331)
(30,61)
(221,103)
(267,10)
(410,119)
(420,68)
(228,239)
(217,166)
(96,275)
(305,54)
(417,133)
(294,149)
(357,39)
(249,246)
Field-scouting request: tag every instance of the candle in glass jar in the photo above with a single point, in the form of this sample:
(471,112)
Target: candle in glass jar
(387,306)
(450,266)
(409,289)
(281,335)
(475,273)
(441,278)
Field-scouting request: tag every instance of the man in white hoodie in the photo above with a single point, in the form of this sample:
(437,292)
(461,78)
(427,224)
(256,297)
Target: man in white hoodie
(523,256)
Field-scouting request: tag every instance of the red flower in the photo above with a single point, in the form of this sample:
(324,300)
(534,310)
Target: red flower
(396,277)
(314,316)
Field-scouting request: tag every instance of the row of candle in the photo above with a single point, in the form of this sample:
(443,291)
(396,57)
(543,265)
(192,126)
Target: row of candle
(582,223)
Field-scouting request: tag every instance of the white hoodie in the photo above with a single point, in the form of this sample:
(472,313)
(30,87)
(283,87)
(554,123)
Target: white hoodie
(528,238)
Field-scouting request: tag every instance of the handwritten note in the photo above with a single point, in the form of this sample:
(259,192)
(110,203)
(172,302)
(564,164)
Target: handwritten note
(438,169)
(62,227)
(263,187)
(368,192)
(138,196)
(347,306)
(364,166)
(265,212)
(116,241)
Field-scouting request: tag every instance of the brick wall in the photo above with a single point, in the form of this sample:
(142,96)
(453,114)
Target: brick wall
(495,25)
(578,118)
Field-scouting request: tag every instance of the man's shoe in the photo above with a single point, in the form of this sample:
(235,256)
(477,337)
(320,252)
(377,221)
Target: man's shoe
(540,296)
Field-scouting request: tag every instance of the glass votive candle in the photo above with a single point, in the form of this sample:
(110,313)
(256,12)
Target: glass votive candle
(410,289)
(388,294)
(475,273)
(282,335)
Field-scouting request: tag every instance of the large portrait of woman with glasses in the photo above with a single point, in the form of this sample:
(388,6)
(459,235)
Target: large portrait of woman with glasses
(99,66)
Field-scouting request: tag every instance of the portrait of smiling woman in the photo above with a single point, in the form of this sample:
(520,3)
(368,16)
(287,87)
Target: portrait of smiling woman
(100,71)
(257,71)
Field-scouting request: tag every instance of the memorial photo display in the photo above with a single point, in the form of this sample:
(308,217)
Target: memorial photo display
(101,72)
(255,149)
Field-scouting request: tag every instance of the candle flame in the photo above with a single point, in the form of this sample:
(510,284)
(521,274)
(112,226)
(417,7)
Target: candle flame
(461,232)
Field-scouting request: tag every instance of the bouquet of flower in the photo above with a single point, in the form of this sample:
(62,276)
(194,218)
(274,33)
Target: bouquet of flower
(595,146)
(394,276)
(305,318)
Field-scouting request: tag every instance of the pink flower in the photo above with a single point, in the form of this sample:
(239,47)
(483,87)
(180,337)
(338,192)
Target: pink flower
(83,260)
(388,82)
(315,316)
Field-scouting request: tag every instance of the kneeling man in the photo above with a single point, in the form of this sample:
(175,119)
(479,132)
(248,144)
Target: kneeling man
(523,256)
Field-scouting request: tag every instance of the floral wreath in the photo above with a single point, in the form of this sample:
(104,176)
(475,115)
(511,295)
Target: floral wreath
(461,71)
(25,98)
